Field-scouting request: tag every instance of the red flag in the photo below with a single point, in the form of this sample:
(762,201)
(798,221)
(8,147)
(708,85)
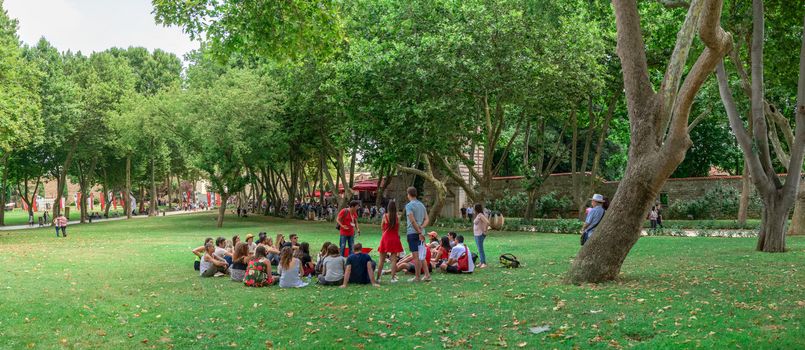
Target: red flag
(34,204)
(78,201)
(103,204)
(209,199)
(218,199)
(24,206)
(188,196)
(114,203)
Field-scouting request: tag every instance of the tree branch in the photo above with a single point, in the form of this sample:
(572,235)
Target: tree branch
(759,177)
(632,52)
(699,118)
(676,66)
(718,42)
(672,4)
(797,148)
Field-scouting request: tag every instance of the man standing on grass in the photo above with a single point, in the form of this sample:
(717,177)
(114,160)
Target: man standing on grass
(418,219)
(347,221)
(594,217)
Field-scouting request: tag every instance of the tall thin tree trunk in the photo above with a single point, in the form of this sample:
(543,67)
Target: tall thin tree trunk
(154,210)
(746,189)
(62,180)
(3,191)
(222,210)
(169,190)
(127,194)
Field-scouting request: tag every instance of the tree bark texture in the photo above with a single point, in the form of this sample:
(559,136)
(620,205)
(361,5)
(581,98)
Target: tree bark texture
(659,130)
(777,198)
(798,220)
(222,210)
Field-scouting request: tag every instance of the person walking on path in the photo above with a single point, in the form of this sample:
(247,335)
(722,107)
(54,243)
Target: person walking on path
(390,241)
(417,217)
(652,217)
(61,223)
(480,225)
(593,218)
(347,221)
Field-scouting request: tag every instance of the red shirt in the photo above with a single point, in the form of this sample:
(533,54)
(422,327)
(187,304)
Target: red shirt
(348,222)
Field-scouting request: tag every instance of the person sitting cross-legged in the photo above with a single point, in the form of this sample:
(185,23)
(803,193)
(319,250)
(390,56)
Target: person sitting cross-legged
(290,270)
(359,268)
(258,273)
(332,270)
(240,260)
(460,259)
(211,265)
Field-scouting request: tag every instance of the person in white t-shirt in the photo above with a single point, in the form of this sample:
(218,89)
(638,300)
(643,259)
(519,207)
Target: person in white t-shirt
(221,252)
(460,260)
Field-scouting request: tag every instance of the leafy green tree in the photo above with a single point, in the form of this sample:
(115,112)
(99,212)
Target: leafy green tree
(20,122)
(262,28)
(223,121)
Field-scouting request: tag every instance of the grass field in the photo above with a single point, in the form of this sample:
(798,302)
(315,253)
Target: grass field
(130,284)
(20,217)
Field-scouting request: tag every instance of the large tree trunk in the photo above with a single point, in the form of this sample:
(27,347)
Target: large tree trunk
(771,238)
(601,258)
(798,220)
(435,211)
(659,130)
(777,198)
(127,194)
(532,201)
(222,210)
(439,199)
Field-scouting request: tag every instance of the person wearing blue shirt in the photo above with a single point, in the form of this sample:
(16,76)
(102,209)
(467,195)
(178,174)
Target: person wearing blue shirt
(593,217)
(417,217)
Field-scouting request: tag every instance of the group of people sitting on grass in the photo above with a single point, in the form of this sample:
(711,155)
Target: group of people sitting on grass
(289,264)
(251,262)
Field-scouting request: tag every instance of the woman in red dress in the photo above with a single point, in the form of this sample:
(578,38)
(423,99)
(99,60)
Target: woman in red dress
(390,241)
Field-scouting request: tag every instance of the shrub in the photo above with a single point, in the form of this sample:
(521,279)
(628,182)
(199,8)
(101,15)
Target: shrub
(510,204)
(718,202)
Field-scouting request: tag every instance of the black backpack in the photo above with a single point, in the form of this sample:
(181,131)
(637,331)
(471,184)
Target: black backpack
(509,261)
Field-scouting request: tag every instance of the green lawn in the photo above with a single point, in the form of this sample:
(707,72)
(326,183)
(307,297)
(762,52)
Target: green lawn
(130,284)
(20,217)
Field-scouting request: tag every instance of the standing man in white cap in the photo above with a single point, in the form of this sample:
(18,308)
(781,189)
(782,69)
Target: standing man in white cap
(593,217)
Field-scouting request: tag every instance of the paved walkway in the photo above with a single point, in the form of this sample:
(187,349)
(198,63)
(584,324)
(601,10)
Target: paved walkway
(76,222)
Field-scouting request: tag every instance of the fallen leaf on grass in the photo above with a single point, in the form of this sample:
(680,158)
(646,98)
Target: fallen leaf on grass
(522,345)
(540,329)
(559,305)
(501,342)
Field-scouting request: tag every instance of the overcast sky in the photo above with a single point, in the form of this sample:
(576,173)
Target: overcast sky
(95,25)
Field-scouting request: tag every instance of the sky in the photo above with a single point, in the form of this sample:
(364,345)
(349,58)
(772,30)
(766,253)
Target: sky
(95,25)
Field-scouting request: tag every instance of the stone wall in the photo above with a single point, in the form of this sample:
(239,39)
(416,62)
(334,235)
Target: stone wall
(684,189)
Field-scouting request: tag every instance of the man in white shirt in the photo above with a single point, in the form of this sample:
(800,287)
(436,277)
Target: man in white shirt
(460,259)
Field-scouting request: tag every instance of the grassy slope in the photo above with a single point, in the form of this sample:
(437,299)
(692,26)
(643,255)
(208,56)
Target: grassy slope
(131,285)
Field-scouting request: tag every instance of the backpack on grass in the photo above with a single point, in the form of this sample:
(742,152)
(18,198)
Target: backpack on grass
(509,261)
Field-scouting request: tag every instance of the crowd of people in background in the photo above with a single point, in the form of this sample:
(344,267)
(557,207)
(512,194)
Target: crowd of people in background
(289,263)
